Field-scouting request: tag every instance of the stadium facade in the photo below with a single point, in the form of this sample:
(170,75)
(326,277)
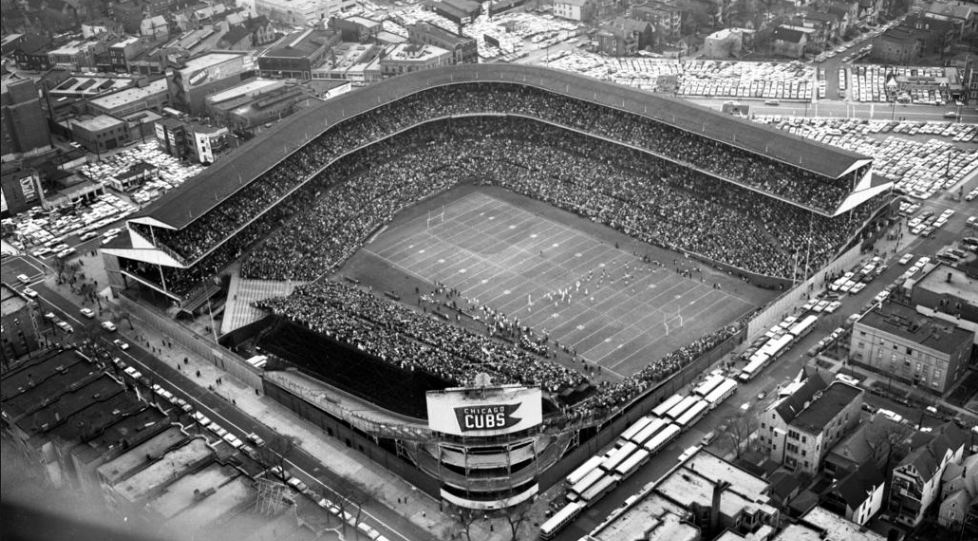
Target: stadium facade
(492,463)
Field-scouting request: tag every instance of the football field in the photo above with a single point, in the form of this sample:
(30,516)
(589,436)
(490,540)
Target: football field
(613,308)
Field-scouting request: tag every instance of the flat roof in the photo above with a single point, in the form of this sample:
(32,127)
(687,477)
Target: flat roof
(252,85)
(225,499)
(414,52)
(181,206)
(93,416)
(741,481)
(904,322)
(800,532)
(638,519)
(826,407)
(129,95)
(19,380)
(48,389)
(10,300)
(97,123)
(209,59)
(180,494)
(136,457)
(836,527)
(141,421)
(169,466)
(961,285)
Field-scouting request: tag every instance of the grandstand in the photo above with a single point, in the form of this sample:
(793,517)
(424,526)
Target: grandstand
(296,205)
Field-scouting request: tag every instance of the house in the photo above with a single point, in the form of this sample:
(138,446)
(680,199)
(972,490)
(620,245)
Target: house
(915,482)
(575,10)
(463,48)
(858,496)
(624,36)
(724,43)
(31,53)
(963,15)
(666,18)
(789,41)
(872,442)
(154,28)
(250,33)
(959,492)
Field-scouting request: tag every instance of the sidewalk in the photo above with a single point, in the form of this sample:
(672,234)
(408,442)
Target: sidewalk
(421,509)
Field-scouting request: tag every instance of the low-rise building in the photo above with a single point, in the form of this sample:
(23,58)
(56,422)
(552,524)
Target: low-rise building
(679,505)
(19,332)
(121,52)
(21,188)
(463,48)
(251,32)
(959,493)
(208,73)
(410,57)
(858,496)
(916,481)
(575,10)
(819,524)
(624,36)
(296,56)
(947,293)
(23,125)
(31,52)
(724,43)
(146,95)
(667,18)
(303,12)
(896,341)
(76,55)
(458,11)
(789,41)
(100,133)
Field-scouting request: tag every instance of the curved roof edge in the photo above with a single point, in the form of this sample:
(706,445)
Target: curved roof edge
(182,206)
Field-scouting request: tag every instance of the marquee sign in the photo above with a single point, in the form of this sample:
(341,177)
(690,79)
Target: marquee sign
(484,411)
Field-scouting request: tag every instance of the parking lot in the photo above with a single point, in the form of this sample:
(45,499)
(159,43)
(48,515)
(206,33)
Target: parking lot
(922,158)
(701,78)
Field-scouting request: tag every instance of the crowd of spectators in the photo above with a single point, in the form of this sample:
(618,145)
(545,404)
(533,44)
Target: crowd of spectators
(412,340)
(262,193)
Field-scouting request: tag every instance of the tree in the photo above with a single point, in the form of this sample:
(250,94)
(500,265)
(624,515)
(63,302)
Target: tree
(516,516)
(739,429)
(351,496)
(276,452)
(466,518)
(887,439)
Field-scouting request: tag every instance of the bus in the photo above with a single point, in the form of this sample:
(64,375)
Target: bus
(721,393)
(693,415)
(661,409)
(650,430)
(560,519)
(707,386)
(616,457)
(803,327)
(660,440)
(636,427)
(679,409)
(587,467)
(757,362)
(632,463)
(579,488)
(598,490)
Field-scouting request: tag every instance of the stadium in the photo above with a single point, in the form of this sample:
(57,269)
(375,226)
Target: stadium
(543,254)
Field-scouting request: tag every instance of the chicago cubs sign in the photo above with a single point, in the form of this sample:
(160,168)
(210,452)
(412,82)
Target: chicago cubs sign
(484,411)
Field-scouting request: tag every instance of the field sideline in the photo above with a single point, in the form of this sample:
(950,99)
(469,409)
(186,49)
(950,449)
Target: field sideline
(616,311)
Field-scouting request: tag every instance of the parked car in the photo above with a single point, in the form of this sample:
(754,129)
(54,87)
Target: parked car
(87,312)
(109,326)
(30,292)
(23,278)
(65,326)
(121,345)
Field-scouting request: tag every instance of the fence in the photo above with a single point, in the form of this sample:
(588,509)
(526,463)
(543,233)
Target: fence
(201,345)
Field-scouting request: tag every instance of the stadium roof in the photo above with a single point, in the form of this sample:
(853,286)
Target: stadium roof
(193,199)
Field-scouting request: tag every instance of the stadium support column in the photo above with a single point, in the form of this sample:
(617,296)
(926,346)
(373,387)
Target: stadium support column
(162,279)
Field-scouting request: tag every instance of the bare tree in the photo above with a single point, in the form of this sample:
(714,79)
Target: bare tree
(516,516)
(887,440)
(351,497)
(466,518)
(276,452)
(739,429)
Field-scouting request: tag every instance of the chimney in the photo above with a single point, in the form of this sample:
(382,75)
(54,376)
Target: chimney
(948,278)
(715,507)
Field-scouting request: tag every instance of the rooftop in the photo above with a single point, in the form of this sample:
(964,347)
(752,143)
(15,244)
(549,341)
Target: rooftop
(826,407)
(252,86)
(168,467)
(127,463)
(960,285)
(715,468)
(298,44)
(180,495)
(209,59)
(103,388)
(859,485)
(793,404)
(41,384)
(836,527)
(414,52)
(93,418)
(636,520)
(801,532)
(181,206)
(97,123)
(141,422)
(10,300)
(123,97)
(236,494)
(904,322)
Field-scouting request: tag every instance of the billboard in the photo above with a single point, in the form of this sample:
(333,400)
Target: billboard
(484,411)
